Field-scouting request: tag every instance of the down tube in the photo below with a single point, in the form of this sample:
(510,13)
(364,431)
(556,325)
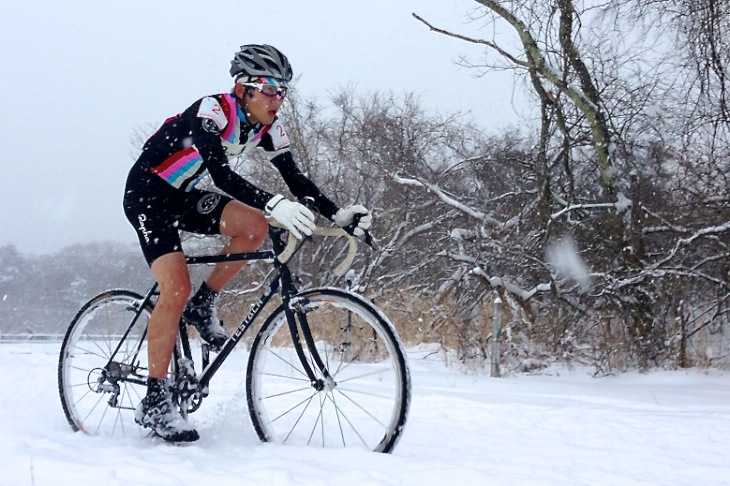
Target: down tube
(238,333)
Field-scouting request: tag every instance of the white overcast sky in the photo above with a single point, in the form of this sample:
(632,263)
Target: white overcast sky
(77,78)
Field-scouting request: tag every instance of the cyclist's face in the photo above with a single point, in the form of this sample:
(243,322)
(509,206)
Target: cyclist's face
(258,107)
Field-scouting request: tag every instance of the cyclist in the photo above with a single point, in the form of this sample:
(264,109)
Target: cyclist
(161,198)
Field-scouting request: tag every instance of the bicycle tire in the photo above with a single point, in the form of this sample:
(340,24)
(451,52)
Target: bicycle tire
(365,405)
(88,379)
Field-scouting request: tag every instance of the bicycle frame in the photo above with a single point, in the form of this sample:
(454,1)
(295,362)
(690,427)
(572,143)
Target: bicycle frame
(282,281)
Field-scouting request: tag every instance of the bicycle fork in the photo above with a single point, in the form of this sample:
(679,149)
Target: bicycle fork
(295,311)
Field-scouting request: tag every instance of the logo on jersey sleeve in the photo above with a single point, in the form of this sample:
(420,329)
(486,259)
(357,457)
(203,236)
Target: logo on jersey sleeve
(214,119)
(278,135)
(210,126)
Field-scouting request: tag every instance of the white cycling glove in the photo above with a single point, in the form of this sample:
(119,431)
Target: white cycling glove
(344,217)
(292,215)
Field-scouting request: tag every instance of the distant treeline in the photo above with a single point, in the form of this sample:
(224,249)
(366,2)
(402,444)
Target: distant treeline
(40,294)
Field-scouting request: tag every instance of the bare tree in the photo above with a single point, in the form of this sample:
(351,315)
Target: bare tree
(598,116)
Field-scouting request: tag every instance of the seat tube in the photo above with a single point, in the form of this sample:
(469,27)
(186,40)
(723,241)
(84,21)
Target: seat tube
(138,312)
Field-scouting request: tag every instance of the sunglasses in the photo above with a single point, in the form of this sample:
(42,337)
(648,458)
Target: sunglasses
(269,89)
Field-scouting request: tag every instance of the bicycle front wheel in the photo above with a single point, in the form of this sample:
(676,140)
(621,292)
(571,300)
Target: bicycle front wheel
(364,404)
(102,368)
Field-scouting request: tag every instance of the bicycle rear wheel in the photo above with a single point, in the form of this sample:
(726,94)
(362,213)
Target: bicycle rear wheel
(101,372)
(365,404)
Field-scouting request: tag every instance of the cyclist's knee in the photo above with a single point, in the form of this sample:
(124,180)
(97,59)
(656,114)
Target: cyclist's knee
(244,223)
(171,273)
(258,230)
(175,294)
(251,231)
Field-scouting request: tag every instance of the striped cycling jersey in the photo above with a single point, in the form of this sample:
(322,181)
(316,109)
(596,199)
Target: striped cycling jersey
(199,141)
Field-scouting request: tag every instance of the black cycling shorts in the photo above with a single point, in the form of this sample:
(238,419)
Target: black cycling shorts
(158,211)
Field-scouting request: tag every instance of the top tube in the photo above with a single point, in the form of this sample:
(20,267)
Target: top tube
(230,257)
(274,232)
(286,253)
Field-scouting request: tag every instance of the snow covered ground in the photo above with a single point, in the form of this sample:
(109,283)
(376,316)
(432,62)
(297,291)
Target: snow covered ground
(558,428)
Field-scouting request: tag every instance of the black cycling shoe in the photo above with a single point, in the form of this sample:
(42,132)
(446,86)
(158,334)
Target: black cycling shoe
(157,411)
(205,319)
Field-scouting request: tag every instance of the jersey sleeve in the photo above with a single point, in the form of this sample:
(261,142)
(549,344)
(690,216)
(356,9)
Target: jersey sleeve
(301,186)
(227,180)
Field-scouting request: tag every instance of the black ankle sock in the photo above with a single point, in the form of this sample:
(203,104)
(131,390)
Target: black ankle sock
(156,386)
(204,296)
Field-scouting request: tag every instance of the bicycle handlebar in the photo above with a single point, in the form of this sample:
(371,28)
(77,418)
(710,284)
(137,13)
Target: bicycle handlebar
(292,241)
(348,231)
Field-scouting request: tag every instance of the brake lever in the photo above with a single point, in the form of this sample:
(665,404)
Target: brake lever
(308,202)
(369,240)
(350,228)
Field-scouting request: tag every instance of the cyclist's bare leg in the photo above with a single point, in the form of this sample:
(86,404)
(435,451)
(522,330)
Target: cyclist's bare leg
(247,228)
(171,273)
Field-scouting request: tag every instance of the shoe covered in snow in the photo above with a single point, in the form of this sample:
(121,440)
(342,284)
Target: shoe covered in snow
(205,320)
(200,313)
(157,411)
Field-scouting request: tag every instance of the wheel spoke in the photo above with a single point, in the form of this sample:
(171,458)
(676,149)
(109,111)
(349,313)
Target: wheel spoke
(352,426)
(363,409)
(287,362)
(87,352)
(285,377)
(288,392)
(365,375)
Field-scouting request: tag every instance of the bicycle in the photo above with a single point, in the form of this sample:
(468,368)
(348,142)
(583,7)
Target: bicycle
(326,368)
